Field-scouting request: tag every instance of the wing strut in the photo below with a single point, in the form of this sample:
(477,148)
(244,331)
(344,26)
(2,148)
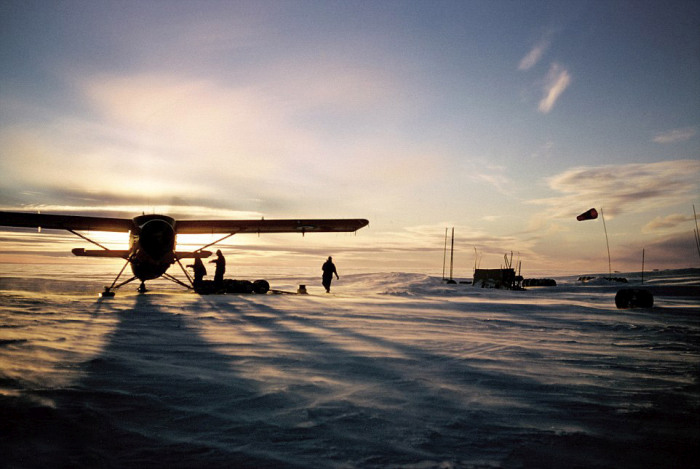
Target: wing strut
(177,258)
(108,290)
(173,279)
(88,239)
(215,242)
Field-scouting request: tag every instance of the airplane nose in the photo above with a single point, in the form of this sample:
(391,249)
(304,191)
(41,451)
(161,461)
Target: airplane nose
(157,238)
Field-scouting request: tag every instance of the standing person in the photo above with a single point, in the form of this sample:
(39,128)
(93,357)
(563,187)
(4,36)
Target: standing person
(328,269)
(220,262)
(199,270)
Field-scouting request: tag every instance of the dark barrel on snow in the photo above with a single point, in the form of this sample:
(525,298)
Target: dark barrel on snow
(634,298)
(261,287)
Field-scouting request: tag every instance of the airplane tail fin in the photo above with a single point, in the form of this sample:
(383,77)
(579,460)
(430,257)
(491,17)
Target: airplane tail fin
(82,252)
(192,255)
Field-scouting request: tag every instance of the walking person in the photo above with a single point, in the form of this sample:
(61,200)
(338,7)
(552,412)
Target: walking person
(328,269)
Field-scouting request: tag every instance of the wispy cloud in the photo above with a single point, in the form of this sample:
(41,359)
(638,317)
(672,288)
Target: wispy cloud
(556,82)
(500,182)
(535,54)
(669,222)
(430,239)
(491,175)
(544,151)
(675,135)
(635,187)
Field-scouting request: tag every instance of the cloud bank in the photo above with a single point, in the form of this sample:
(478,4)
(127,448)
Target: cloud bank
(626,188)
(157,137)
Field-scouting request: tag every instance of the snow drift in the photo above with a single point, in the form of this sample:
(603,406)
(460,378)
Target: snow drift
(392,370)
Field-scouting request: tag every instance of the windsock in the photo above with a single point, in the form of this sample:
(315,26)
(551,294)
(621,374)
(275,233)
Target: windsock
(592,214)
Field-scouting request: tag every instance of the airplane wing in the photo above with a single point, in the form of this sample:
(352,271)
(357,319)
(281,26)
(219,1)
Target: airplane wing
(75,222)
(65,222)
(269,226)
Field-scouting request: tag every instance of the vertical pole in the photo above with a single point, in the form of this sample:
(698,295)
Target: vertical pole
(606,242)
(444,256)
(642,266)
(452,252)
(697,233)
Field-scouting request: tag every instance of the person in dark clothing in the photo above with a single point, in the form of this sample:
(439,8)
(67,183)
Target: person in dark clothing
(328,269)
(220,262)
(199,271)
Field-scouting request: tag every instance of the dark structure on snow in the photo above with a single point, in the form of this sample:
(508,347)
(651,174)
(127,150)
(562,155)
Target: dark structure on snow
(497,278)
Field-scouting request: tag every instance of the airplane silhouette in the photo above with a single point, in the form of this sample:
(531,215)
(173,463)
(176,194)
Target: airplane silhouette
(152,238)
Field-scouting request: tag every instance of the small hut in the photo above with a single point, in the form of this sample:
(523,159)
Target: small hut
(497,278)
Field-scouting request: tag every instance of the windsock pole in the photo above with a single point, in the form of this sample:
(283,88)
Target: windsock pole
(697,233)
(606,241)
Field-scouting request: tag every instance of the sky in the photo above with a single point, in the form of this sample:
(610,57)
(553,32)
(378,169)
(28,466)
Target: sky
(502,119)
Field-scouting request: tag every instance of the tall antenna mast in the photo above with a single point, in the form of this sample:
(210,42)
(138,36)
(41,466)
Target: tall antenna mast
(606,242)
(444,256)
(452,252)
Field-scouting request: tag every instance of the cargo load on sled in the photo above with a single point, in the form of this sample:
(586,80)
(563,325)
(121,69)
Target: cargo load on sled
(210,287)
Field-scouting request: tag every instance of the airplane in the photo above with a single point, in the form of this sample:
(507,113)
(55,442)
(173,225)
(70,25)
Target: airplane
(152,238)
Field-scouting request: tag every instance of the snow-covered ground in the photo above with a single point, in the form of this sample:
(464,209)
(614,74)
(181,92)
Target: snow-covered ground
(390,370)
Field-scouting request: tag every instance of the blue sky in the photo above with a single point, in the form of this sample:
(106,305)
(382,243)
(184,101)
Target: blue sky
(503,119)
